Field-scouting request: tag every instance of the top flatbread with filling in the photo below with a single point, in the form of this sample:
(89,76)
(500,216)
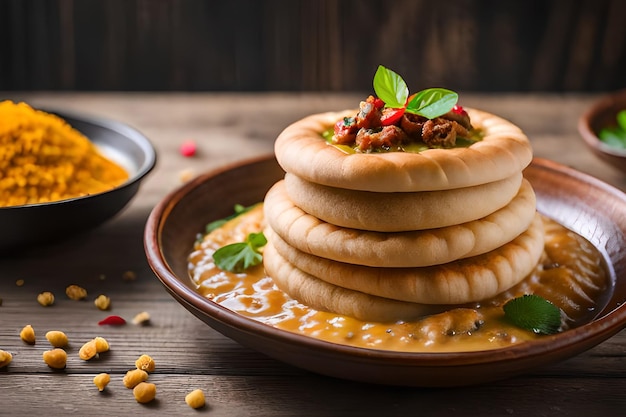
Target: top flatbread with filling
(503,151)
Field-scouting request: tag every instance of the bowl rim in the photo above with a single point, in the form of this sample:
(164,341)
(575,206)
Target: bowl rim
(601,105)
(593,332)
(125,130)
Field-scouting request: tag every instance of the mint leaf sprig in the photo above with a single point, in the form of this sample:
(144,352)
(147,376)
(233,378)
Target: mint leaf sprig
(615,136)
(534,313)
(429,103)
(237,257)
(238,211)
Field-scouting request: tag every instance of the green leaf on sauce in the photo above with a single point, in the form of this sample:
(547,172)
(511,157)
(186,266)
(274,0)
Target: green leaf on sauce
(238,211)
(534,313)
(237,257)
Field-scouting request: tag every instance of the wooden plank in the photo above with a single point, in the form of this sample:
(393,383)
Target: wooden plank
(188,354)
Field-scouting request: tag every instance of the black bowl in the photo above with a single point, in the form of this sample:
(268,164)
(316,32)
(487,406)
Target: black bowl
(34,224)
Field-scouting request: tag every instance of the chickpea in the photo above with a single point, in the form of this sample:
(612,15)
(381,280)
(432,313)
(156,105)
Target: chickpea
(88,350)
(134,377)
(55,358)
(102,302)
(101,381)
(144,392)
(142,318)
(45,298)
(195,399)
(74,292)
(5,358)
(28,334)
(145,363)
(102,345)
(129,276)
(57,338)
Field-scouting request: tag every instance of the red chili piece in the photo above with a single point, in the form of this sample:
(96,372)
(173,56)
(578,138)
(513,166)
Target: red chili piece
(459,110)
(188,148)
(112,320)
(391,116)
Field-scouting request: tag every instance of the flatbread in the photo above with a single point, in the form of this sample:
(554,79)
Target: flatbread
(504,150)
(402,249)
(464,281)
(399,212)
(322,296)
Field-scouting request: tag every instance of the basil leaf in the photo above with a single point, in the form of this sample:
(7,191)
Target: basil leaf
(534,313)
(432,102)
(237,257)
(390,87)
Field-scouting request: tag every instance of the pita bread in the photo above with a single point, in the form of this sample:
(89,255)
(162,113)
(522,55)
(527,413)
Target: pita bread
(504,150)
(402,249)
(459,282)
(399,212)
(322,296)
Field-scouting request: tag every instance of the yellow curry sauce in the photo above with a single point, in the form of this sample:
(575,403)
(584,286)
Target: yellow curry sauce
(571,274)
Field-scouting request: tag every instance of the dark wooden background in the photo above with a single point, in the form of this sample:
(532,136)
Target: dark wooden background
(304,45)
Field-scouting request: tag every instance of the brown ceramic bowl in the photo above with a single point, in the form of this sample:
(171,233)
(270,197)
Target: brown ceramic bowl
(602,113)
(586,205)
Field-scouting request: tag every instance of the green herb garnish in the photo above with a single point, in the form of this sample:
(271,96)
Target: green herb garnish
(238,211)
(615,136)
(237,257)
(534,313)
(429,103)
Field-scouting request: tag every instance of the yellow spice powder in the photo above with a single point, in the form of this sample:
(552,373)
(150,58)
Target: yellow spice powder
(42,159)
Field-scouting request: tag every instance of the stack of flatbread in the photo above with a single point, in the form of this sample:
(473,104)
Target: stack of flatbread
(398,235)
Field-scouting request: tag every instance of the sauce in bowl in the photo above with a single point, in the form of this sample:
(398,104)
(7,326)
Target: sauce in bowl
(572,274)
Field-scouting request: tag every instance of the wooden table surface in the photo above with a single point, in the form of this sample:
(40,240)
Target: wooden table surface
(238,381)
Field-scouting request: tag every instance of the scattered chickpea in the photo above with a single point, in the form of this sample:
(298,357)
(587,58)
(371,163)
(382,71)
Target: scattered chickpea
(55,358)
(45,298)
(102,302)
(141,318)
(57,338)
(5,358)
(144,392)
(195,399)
(19,282)
(74,292)
(129,276)
(186,175)
(145,363)
(28,334)
(88,350)
(134,377)
(102,345)
(101,381)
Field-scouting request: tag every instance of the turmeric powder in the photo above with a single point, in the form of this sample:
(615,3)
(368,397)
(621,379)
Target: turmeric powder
(43,158)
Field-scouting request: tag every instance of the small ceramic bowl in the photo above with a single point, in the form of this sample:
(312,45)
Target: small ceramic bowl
(578,201)
(601,114)
(36,224)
